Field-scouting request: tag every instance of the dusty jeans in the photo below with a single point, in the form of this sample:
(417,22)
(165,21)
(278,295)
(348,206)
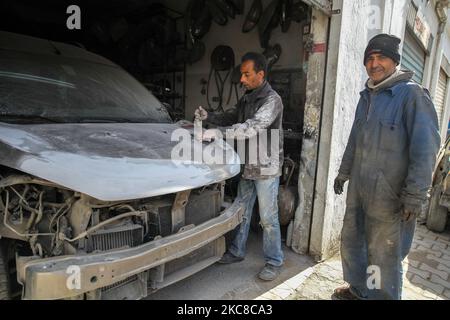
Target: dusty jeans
(267,193)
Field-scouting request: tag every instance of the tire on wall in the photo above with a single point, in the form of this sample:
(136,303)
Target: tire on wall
(437,215)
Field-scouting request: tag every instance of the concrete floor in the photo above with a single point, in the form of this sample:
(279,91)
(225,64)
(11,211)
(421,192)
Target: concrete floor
(236,281)
(426,271)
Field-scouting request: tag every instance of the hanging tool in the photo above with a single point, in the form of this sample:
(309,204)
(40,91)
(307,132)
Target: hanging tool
(222,60)
(235,80)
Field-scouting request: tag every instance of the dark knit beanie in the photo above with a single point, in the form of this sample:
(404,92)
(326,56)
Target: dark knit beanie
(385,44)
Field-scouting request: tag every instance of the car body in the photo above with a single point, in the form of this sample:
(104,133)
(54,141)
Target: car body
(92,203)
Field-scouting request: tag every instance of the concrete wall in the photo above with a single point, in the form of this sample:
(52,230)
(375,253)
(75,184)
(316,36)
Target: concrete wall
(300,241)
(345,79)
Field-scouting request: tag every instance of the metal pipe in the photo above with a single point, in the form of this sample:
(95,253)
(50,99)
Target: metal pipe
(5,222)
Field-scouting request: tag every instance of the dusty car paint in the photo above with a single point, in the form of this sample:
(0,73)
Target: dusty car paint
(109,162)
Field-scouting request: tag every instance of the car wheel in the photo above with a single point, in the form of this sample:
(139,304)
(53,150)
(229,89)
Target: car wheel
(437,215)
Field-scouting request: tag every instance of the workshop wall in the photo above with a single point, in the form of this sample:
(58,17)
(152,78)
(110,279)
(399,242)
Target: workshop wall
(231,35)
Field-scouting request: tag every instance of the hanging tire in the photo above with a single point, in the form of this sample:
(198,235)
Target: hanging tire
(4,278)
(437,215)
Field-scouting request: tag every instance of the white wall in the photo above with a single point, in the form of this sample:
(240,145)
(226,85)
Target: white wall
(339,108)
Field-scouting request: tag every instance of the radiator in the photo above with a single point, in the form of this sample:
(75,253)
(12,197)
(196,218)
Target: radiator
(115,238)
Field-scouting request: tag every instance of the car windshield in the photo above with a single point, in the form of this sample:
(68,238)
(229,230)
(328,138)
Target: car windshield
(43,88)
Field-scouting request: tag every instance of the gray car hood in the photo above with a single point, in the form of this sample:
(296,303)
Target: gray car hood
(109,162)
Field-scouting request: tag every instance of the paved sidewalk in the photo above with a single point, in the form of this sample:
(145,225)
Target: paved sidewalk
(426,273)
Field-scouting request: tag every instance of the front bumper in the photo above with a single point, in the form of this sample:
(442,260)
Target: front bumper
(70,276)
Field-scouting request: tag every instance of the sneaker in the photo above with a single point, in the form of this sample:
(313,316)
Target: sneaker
(269,272)
(345,293)
(229,258)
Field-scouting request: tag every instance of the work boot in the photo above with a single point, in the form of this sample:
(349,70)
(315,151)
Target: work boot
(229,258)
(345,293)
(269,272)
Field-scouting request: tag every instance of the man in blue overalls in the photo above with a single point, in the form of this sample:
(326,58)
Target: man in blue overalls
(389,160)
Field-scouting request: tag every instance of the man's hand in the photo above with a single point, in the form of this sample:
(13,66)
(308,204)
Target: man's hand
(410,213)
(211,134)
(201,114)
(339,185)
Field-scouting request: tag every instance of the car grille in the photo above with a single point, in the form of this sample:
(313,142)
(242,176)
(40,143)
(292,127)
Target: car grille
(116,238)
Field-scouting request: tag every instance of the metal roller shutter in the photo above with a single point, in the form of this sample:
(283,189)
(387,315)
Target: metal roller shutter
(439,100)
(413,58)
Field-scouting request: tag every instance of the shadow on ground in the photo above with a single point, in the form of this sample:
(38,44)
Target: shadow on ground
(236,281)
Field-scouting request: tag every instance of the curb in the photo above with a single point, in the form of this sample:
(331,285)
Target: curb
(288,287)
